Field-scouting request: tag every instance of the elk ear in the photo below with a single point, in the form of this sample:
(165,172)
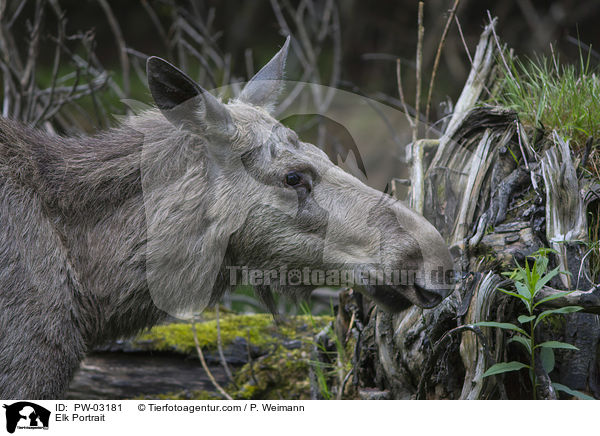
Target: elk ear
(182,101)
(264,88)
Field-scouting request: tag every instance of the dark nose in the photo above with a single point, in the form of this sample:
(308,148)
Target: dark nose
(436,284)
(429,298)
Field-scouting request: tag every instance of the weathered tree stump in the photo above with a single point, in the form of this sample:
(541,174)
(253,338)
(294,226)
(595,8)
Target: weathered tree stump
(493,209)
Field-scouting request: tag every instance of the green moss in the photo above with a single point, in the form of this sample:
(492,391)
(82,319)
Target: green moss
(259,329)
(281,374)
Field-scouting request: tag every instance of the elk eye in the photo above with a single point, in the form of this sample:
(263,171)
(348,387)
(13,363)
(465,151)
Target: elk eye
(293,179)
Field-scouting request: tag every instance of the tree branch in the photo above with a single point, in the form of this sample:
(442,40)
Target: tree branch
(589,300)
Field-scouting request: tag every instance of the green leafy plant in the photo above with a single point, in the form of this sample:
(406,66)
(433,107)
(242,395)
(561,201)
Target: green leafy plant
(528,281)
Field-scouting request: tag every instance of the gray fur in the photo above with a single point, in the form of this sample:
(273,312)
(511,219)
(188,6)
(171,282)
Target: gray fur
(89,225)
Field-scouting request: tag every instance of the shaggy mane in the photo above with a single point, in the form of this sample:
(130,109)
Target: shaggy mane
(75,174)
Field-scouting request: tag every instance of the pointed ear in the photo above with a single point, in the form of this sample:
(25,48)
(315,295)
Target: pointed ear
(182,101)
(264,88)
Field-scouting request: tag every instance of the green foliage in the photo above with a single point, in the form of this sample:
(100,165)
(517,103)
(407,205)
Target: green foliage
(572,392)
(528,281)
(558,97)
(499,368)
(335,363)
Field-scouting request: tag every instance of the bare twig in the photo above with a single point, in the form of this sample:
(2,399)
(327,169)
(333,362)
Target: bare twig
(23,99)
(157,24)
(438,55)
(420,33)
(32,52)
(202,60)
(519,127)
(500,50)
(28,82)
(344,383)
(249,63)
(401,93)
(56,63)
(16,13)
(462,37)
(205,366)
(116,29)
(312,23)
(220,346)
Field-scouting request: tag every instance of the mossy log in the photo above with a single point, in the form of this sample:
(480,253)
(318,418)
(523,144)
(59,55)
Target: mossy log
(268,360)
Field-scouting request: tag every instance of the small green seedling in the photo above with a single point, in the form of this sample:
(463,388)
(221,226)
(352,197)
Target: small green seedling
(528,281)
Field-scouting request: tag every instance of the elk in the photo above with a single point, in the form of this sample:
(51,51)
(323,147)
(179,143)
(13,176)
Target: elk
(103,235)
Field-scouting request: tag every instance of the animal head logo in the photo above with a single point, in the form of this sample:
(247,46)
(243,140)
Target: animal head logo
(26,415)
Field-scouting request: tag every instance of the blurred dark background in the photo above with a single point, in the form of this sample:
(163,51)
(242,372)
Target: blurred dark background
(373,34)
